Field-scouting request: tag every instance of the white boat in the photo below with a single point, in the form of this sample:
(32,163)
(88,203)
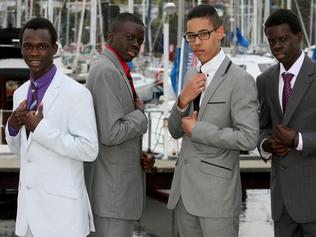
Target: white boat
(253,64)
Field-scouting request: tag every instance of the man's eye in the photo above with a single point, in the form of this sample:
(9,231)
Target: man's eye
(203,34)
(191,37)
(26,46)
(130,37)
(283,39)
(43,47)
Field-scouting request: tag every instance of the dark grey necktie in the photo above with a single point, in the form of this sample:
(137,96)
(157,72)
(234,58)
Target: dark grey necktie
(196,101)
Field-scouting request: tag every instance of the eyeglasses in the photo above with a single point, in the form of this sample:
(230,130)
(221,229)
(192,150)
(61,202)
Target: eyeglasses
(202,35)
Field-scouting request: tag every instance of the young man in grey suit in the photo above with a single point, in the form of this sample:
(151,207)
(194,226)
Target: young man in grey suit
(116,180)
(206,189)
(287,127)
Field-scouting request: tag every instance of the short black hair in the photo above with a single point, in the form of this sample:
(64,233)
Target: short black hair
(284,16)
(40,23)
(205,10)
(125,17)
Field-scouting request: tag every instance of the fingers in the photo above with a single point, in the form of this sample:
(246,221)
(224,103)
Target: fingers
(194,115)
(40,109)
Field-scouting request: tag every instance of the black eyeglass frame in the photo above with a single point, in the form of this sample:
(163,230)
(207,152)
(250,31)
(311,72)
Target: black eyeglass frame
(185,35)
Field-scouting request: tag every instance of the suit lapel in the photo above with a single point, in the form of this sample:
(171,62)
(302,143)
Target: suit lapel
(301,85)
(118,64)
(216,81)
(50,95)
(52,92)
(274,90)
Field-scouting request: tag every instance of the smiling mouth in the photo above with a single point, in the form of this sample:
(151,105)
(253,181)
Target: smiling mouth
(34,63)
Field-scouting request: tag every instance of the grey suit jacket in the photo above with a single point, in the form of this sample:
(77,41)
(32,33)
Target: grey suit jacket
(115,181)
(207,173)
(293,177)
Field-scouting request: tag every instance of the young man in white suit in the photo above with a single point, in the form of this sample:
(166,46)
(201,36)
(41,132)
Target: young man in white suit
(53,131)
(206,189)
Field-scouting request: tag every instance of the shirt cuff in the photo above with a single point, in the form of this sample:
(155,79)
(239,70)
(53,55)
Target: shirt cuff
(265,155)
(300,142)
(12,131)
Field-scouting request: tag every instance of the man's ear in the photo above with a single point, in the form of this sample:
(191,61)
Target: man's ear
(220,32)
(110,37)
(55,48)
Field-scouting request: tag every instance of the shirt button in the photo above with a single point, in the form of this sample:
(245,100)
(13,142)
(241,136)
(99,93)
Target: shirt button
(28,187)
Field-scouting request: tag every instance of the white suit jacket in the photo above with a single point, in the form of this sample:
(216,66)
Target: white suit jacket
(52,198)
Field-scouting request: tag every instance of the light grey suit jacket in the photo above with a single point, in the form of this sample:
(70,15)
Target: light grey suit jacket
(293,177)
(116,182)
(207,172)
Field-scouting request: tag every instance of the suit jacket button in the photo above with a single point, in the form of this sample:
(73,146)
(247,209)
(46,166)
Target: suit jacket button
(283,167)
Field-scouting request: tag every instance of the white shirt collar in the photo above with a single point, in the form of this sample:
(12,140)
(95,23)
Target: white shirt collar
(213,64)
(296,67)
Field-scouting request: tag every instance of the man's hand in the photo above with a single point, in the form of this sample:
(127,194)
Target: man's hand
(139,104)
(286,136)
(147,162)
(271,145)
(17,117)
(188,123)
(32,118)
(193,87)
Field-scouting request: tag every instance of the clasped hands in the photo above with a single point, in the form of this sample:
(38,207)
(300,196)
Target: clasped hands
(282,139)
(21,116)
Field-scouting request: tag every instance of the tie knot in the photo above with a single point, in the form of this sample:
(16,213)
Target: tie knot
(287,77)
(33,85)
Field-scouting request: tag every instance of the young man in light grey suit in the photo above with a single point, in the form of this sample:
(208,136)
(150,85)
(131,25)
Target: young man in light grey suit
(288,129)
(116,179)
(53,131)
(206,189)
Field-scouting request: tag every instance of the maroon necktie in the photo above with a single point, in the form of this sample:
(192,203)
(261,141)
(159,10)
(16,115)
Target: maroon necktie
(287,77)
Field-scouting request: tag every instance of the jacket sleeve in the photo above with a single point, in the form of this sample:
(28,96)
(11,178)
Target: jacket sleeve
(14,142)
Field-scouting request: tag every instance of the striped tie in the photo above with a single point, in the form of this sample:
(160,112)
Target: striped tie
(287,77)
(33,104)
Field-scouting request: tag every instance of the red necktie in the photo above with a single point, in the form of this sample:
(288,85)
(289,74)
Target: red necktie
(287,77)
(130,80)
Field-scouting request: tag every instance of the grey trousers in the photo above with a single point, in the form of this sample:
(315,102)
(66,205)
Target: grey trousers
(286,226)
(111,227)
(189,225)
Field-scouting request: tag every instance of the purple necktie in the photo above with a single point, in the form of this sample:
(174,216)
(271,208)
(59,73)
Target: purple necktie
(287,77)
(33,104)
